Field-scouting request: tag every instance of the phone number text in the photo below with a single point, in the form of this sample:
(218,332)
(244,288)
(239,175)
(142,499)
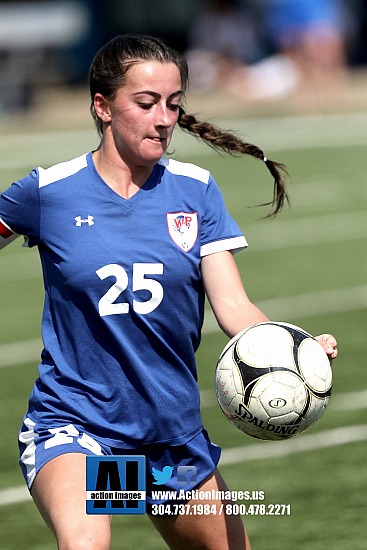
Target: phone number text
(170,509)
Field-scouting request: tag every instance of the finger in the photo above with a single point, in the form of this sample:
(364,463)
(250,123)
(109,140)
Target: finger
(329,344)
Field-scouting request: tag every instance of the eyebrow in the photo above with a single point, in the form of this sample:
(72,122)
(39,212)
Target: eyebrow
(156,95)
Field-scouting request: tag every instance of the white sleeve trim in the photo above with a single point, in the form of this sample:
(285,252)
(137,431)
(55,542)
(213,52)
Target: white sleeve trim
(61,171)
(234,244)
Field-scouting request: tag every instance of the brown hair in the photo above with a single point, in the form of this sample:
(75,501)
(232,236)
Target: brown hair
(107,75)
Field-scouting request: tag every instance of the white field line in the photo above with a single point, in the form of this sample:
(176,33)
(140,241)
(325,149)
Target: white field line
(348,401)
(287,133)
(275,134)
(14,495)
(306,442)
(258,451)
(20,353)
(288,308)
(44,148)
(312,304)
(306,231)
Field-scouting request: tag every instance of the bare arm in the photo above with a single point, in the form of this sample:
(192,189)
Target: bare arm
(231,306)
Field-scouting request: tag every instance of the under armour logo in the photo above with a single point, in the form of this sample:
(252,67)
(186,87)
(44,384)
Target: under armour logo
(79,220)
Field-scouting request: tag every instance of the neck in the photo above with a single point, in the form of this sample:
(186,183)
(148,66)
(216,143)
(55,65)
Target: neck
(125,180)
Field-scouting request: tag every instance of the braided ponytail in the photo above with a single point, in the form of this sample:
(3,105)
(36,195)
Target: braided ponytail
(221,140)
(107,75)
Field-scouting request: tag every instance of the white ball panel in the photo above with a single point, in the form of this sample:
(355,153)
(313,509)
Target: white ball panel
(281,393)
(267,345)
(226,360)
(224,385)
(227,369)
(231,342)
(316,408)
(315,365)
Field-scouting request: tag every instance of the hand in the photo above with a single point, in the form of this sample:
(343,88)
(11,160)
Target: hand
(329,344)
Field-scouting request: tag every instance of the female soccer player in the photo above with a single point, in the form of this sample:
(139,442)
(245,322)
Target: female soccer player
(130,241)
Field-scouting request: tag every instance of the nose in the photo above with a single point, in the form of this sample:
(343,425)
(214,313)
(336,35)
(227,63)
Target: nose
(163,118)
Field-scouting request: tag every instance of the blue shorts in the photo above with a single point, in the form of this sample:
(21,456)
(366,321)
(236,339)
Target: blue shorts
(197,458)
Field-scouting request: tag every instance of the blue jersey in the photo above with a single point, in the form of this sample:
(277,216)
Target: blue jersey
(124,299)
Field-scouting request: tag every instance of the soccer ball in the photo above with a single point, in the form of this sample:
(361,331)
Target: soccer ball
(273,380)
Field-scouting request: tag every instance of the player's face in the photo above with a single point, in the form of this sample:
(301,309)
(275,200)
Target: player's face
(145,111)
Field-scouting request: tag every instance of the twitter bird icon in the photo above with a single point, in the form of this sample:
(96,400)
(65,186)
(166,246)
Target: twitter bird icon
(162,476)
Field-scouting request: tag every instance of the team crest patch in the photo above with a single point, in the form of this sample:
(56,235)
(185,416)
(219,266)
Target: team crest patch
(183,228)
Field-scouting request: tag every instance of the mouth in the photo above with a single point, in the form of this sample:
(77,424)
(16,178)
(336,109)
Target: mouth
(157,139)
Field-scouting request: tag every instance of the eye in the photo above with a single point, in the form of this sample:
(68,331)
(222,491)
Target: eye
(146,106)
(173,106)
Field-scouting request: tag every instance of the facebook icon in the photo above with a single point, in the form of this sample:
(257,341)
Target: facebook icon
(186,475)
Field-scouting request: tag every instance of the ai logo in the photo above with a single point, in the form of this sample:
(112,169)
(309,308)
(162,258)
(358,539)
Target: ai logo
(79,220)
(116,484)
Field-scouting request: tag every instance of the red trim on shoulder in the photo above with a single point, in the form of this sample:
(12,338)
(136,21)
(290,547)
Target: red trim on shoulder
(5,232)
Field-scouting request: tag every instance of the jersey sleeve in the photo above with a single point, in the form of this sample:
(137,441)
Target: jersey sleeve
(219,231)
(20,211)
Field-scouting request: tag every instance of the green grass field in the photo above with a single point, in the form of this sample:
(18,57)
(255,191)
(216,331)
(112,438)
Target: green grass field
(307,267)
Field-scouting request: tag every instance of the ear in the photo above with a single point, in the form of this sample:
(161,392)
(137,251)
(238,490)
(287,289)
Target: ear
(102,107)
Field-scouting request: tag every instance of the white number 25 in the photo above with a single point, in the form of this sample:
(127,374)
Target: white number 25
(107,304)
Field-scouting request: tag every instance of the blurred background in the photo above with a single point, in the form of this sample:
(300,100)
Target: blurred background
(256,51)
